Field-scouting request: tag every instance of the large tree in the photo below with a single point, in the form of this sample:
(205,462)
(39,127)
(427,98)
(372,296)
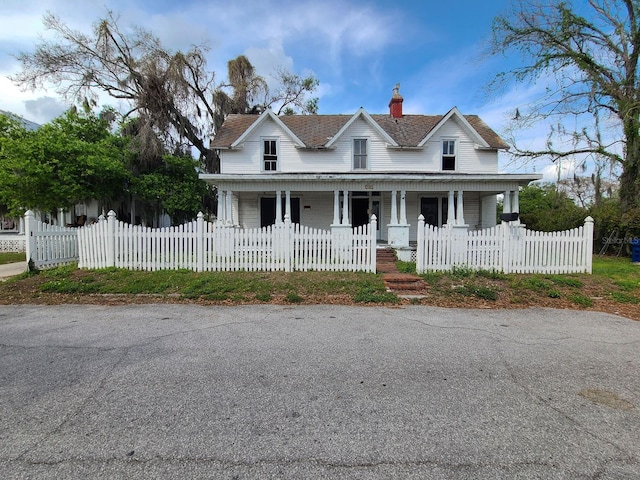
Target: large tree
(172,93)
(547,209)
(587,54)
(73,158)
(248,92)
(173,187)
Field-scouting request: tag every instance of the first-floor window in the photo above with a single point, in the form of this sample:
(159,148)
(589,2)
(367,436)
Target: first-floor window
(436,210)
(268,210)
(270,155)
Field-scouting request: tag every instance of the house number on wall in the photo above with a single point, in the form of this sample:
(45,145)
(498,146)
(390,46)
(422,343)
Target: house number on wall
(368,186)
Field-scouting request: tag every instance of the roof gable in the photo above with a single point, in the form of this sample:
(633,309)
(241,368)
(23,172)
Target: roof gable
(455,113)
(267,114)
(367,118)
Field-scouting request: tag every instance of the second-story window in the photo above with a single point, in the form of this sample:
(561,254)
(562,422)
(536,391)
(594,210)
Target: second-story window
(359,153)
(270,155)
(448,155)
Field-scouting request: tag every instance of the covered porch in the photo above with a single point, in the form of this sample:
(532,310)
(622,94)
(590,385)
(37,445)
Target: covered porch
(345,201)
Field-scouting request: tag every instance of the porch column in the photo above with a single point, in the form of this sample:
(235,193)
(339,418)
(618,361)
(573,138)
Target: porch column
(287,203)
(278,207)
(460,212)
(228,204)
(394,207)
(61,222)
(403,207)
(398,233)
(451,209)
(506,203)
(345,208)
(220,212)
(515,202)
(341,228)
(336,207)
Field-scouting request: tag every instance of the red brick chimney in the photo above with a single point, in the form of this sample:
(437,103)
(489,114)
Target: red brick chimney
(395,104)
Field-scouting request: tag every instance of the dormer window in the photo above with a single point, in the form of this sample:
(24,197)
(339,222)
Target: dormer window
(359,153)
(448,155)
(270,154)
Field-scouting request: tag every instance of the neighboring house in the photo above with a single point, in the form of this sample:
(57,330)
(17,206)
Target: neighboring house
(334,171)
(28,124)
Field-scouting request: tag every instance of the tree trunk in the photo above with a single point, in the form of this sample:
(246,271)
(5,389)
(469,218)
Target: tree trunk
(629,180)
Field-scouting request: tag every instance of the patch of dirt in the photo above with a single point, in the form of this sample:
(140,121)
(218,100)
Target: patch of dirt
(606,398)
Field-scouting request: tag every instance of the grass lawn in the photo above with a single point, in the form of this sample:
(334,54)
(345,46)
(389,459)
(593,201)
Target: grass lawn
(10,257)
(613,287)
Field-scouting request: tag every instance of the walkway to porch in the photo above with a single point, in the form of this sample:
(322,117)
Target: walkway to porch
(405,285)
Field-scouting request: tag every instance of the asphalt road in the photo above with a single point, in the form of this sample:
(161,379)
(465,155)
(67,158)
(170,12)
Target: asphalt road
(175,391)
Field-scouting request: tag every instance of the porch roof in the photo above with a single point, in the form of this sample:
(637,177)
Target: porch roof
(490,183)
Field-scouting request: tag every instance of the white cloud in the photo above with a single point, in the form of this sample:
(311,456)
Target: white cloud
(14,100)
(43,109)
(268,58)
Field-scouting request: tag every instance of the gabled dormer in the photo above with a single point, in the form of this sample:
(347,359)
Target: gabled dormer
(362,114)
(454,114)
(267,115)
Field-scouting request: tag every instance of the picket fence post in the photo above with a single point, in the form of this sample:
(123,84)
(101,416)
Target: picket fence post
(287,243)
(30,243)
(373,229)
(420,250)
(111,238)
(506,248)
(588,243)
(200,242)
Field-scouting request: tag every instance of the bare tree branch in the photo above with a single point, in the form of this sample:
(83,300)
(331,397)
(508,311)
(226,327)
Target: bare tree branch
(592,61)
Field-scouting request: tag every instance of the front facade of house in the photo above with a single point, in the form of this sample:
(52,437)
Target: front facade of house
(335,171)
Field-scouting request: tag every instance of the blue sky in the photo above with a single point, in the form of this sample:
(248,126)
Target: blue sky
(357,49)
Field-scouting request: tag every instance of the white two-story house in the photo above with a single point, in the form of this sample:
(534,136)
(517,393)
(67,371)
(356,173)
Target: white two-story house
(335,171)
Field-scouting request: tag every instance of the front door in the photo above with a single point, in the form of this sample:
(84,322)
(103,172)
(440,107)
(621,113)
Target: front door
(429,210)
(375,210)
(359,211)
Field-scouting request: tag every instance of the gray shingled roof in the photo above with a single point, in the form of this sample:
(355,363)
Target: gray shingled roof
(28,124)
(316,130)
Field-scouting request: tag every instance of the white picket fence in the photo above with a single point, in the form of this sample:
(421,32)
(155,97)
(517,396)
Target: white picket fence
(49,245)
(507,248)
(205,246)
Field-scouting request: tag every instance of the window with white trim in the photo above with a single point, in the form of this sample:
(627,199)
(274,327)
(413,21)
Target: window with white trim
(448,154)
(270,155)
(359,153)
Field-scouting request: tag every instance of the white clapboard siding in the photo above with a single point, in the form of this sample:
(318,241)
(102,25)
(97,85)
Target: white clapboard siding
(506,248)
(206,246)
(49,245)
